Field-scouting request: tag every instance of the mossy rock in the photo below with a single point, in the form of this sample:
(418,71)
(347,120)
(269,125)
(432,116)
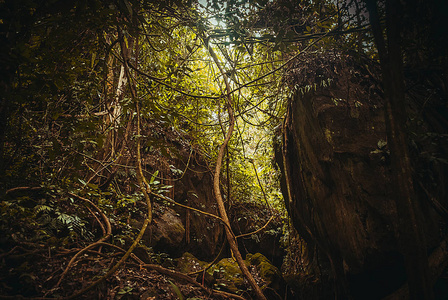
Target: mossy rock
(230,276)
(167,232)
(189,263)
(267,271)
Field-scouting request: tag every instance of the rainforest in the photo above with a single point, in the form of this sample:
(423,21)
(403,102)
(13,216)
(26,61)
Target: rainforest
(209,149)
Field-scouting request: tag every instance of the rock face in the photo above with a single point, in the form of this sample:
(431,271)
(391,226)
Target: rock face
(226,274)
(340,176)
(167,232)
(183,176)
(249,217)
(336,178)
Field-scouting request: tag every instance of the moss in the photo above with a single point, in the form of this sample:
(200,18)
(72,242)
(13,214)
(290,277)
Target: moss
(268,272)
(229,265)
(231,277)
(189,263)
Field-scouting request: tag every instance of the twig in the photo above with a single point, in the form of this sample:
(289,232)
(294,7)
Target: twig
(259,182)
(116,266)
(169,86)
(23,188)
(281,66)
(96,218)
(9,252)
(122,250)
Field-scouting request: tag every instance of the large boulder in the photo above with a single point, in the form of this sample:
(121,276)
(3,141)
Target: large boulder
(179,170)
(188,263)
(167,232)
(271,275)
(267,276)
(226,274)
(249,217)
(336,174)
(229,276)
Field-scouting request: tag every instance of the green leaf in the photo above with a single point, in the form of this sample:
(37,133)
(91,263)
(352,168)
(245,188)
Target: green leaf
(154,177)
(125,290)
(176,290)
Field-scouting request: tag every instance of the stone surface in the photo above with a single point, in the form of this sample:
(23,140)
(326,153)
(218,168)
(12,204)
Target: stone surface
(188,263)
(166,232)
(270,274)
(340,197)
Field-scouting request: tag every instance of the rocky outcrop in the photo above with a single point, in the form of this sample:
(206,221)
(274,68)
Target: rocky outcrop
(336,173)
(249,218)
(226,274)
(182,174)
(271,275)
(166,232)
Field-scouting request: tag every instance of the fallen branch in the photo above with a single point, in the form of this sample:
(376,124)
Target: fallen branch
(23,188)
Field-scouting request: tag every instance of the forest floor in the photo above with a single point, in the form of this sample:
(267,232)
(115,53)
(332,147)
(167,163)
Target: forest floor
(33,270)
(46,253)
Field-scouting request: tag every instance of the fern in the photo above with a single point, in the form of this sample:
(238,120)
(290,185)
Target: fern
(42,209)
(53,221)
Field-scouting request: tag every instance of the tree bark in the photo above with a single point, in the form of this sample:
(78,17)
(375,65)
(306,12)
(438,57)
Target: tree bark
(410,236)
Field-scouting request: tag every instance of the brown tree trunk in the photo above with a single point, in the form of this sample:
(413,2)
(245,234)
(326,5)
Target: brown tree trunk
(410,236)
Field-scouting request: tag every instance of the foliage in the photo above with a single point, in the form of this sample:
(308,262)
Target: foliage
(44,220)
